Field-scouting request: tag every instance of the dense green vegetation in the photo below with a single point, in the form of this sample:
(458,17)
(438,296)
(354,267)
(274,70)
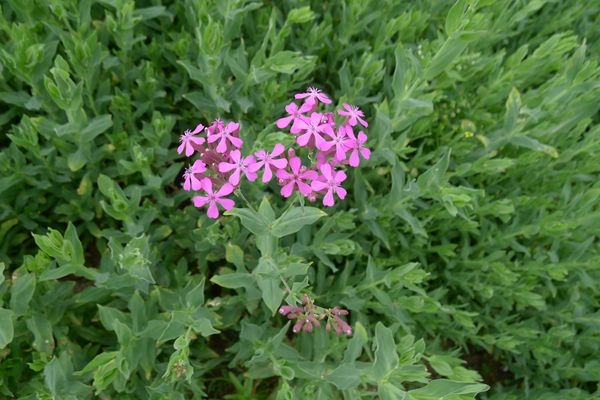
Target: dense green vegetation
(466,251)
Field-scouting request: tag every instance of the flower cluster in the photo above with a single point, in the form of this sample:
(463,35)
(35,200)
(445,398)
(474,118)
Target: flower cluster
(331,146)
(309,315)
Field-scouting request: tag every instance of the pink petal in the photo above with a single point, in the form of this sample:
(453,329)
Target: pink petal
(328,199)
(207,183)
(227,204)
(287,190)
(295,164)
(303,139)
(232,127)
(196,184)
(213,211)
(298,126)
(283,174)
(354,160)
(362,137)
(251,176)
(235,155)
(280,163)
(225,190)
(341,192)
(189,149)
(326,171)
(222,146)
(226,167)
(304,188)
(365,153)
(267,174)
(283,122)
(339,176)
(234,179)
(291,108)
(200,201)
(340,153)
(277,150)
(181,148)
(198,129)
(309,174)
(317,186)
(237,142)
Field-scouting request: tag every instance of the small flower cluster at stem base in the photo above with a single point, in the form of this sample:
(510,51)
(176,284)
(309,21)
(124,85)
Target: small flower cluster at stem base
(328,146)
(308,316)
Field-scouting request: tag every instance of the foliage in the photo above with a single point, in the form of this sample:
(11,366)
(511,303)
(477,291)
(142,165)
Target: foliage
(466,250)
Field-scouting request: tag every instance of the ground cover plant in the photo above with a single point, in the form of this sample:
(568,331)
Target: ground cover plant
(457,257)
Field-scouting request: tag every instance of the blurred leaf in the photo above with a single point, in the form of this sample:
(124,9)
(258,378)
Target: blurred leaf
(295,219)
(6,327)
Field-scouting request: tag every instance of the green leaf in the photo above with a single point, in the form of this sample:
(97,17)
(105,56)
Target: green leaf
(43,340)
(96,127)
(195,297)
(386,356)
(441,389)
(533,144)
(443,59)
(251,220)
(232,281)
(389,391)
(295,219)
(300,15)
(6,327)
(68,269)
(267,278)
(21,293)
(235,255)
(345,377)
(266,211)
(287,62)
(77,160)
(456,17)
(513,108)
(74,245)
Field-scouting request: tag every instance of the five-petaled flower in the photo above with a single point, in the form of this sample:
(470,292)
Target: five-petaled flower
(313,96)
(330,181)
(268,160)
(296,178)
(354,115)
(213,198)
(226,134)
(238,165)
(190,142)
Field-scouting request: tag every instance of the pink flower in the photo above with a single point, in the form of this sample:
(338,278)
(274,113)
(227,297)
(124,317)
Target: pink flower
(192,180)
(295,114)
(214,198)
(226,134)
(238,166)
(268,160)
(189,142)
(354,115)
(216,126)
(356,146)
(313,127)
(313,96)
(338,142)
(330,181)
(296,178)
